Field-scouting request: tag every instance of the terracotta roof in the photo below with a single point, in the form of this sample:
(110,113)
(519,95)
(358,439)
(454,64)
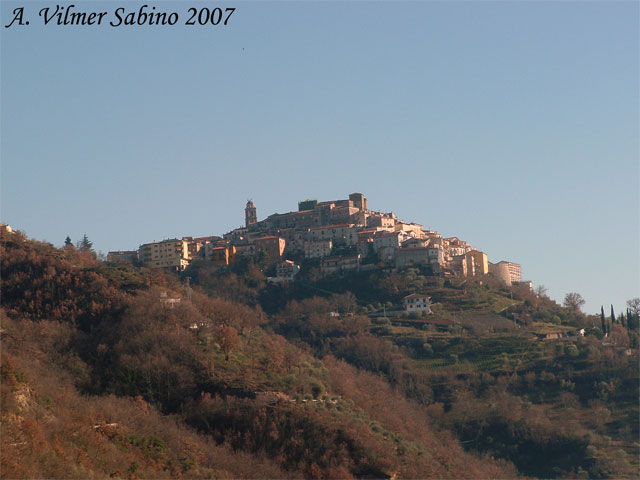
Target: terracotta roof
(341,225)
(204,239)
(407,249)
(338,258)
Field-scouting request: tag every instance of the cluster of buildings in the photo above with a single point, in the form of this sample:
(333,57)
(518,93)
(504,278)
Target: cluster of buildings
(339,235)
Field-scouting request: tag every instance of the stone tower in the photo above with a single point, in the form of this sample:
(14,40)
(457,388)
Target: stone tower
(359,201)
(250,214)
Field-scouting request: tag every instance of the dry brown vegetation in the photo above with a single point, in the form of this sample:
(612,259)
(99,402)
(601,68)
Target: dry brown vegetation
(50,430)
(105,373)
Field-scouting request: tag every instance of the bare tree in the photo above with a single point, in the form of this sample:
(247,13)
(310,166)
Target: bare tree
(541,291)
(573,301)
(634,305)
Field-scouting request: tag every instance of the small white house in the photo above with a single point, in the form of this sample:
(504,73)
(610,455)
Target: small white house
(285,272)
(417,302)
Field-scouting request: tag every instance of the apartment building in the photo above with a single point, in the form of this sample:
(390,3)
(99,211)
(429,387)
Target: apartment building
(221,254)
(318,248)
(273,246)
(387,240)
(515,272)
(339,263)
(341,234)
(173,253)
(295,240)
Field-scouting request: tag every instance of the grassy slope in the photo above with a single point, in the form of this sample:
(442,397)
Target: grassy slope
(574,395)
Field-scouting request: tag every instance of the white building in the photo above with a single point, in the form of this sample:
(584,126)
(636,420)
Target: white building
(285,272)
(341,235)
(318,248)
(417,303)
(387,240)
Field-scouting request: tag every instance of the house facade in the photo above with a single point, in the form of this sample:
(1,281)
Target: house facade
(171,253)
(417,303)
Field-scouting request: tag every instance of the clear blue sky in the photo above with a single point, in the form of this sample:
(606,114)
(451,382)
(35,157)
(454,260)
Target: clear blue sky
(511,125)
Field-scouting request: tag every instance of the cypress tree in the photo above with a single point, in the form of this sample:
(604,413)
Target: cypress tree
(613,315)
(632,320)
(602,320)
(621,319)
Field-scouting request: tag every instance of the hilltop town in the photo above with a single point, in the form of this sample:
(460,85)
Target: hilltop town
(136,362)
(341,234)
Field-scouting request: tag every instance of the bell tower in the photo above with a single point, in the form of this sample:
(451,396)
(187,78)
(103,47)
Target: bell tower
(250,213)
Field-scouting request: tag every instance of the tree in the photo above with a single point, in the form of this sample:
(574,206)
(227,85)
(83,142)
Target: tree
(633,322)
(603,320)
(634,305)
(613,315)
(228,339)
(541,291)
(68,245)
(572,350)
(619,336)
(573,301)
(85,244)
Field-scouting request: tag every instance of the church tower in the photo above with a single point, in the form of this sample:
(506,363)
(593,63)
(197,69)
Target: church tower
(250,214)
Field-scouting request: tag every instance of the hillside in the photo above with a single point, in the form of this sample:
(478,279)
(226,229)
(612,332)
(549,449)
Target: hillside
(129,372)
